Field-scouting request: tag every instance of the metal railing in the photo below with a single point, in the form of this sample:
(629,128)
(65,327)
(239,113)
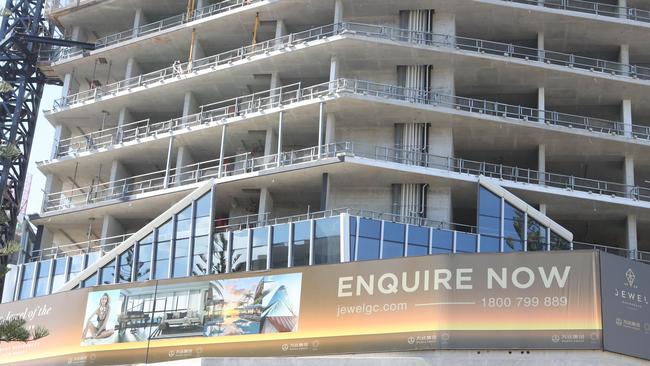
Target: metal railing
(103,245)
(146,29)
(124,189)
(220,112)
(400,35)
(590,7)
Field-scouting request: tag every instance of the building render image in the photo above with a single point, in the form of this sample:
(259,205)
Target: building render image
(247,135)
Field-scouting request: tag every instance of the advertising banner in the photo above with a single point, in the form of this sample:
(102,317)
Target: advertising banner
(464,301)
(626,306)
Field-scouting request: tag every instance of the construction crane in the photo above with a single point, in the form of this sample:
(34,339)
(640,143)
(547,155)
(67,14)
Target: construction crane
(24,33)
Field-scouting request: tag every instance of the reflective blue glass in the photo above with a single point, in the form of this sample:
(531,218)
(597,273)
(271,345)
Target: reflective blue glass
(418,241)
(442,241)
(183,223)
(300,245)
(465,242)
(280,246)
(200,256)
(369,236)
(26,283)
(125,266)
(108,273)
(90,281)
(161,270)
(181,258)
(59,273)
(239,251)
(489,219)
(327,241)
(393,240)
(219,250)
(557,243)
(536,235)
(490,244)
(259,250)
(143,270)
(513,229)
(42,282)
(76,265)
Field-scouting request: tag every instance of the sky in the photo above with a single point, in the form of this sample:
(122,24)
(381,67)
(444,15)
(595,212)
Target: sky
(41,150)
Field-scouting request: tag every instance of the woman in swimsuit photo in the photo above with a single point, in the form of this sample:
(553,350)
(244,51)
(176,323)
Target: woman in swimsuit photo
(96,328)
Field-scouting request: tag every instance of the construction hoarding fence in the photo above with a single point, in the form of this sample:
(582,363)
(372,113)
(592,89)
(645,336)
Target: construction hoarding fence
(465,301)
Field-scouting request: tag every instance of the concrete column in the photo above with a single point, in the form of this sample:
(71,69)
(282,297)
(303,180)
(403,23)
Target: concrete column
(626,117)
(441,141)
(183,159)
(118,171)
(542,208)
(541,104)
(110,227)
(47,238)
(280,28)
(541,46)
(439,206)
(280,123)
(197,50)
(628,173)
(443,80)
(266,203)
(631,242)
(60,133)
(541,163)
(168,165)
(334,68)
(622,11)
(624,59)
(132,69)
(190,106)
(276,83)
(124,117)
(77,33)
(270,144)
(69,85)
(325,193)
(444,23)
(138,21)
(330,129)
(338,11)
(52,184)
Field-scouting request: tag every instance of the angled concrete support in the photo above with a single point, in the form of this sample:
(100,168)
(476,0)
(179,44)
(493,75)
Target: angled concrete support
(622,8)
(629,175)
(631,242)
(138,21)
(541,104)
(118,172)
(132,69)
(60,133)
(110,227)
(330,129)
(541,163)
(190,106)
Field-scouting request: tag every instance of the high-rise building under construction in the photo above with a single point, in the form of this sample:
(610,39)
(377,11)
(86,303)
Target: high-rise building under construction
(205,137)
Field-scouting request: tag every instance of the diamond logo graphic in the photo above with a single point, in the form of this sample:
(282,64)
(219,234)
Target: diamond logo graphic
(630,277)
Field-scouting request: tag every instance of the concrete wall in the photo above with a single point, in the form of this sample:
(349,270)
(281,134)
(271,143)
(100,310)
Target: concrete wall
(437,358)
(373,198)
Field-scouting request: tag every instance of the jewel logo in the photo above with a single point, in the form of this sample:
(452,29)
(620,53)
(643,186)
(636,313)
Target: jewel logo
(285,347)
(630,277)
(555,338)
(411,340)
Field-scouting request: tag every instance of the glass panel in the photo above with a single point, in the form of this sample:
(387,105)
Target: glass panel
(300,249)
(165,231)
(465,242)
(490,244)
(280,246)
(143,270)
(536,235)
(558,243)
(203,205)
(489,220)
(76,266)
(43,278)
(202,225)
(90,281)
(418,241)
(442,241)
(327,241)
(513,229)
(393,240)
(369,235)
(108,273)
(126,266)
(59,273)
(26,283)
(92,258)
(162,260)
(183,223)
(219,247)
(239,251)
(181,260)
(200,258)
(260,249)
(353,237)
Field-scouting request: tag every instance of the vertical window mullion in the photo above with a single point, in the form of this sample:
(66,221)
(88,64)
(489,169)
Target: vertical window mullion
(249,249)
(290,246)
(406,240)
(190,243)
(502,225)
(311,241)
(269,238)
(135,260)
(172,248)
(381,240)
